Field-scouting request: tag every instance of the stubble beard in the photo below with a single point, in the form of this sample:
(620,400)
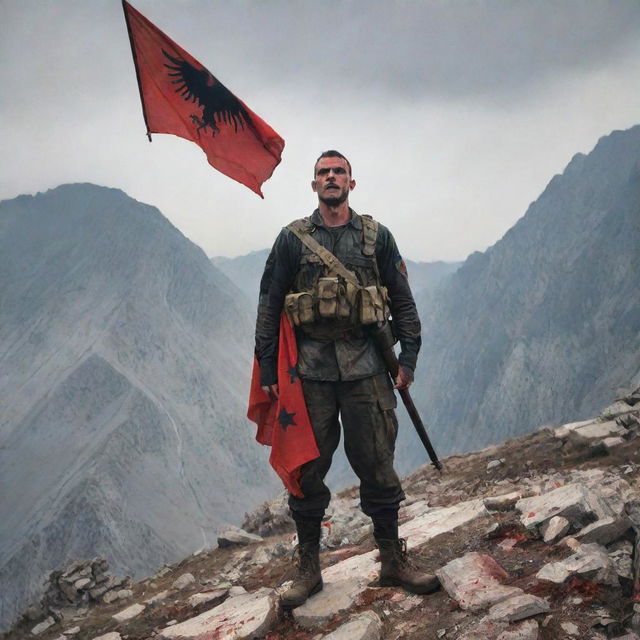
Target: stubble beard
(334,201)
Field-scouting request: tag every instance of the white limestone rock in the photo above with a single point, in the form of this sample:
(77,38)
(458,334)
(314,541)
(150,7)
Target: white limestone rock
(623,564)
(110,596)
(162,572)
(597,431)
(503,502)
(613,442)
(415,509)
(440,520)
(564,431)
(81,583)
(206,596)
(473,581)
(568,501)
(183,581)
(112,635)
(570,628)
(335,597)
(237,537)
(518,607)
(245,616)
(616,409)
(71,632)
(577,502)
(554,529)
(262,556)
(364,626)
(128,613)
(590,562)
(43,626)
(76,570)
(159,597)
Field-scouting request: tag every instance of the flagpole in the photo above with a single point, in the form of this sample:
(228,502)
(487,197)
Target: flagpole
(135,64)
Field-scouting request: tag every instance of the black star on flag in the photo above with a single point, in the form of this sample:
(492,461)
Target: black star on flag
(286,419)
(293,374)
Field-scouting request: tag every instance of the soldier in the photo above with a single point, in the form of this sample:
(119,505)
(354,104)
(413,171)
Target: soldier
(335,307)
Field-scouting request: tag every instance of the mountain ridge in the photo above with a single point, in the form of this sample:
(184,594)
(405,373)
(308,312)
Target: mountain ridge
(540,314)
(124,352)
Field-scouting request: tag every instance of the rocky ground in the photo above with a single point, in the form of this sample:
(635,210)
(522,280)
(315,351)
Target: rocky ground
(531,539)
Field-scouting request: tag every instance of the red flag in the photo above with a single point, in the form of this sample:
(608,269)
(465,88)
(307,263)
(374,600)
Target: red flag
(283,424)
(181,97)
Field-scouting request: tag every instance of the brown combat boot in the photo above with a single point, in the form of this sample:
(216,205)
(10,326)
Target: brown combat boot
(308,580)
(396,570)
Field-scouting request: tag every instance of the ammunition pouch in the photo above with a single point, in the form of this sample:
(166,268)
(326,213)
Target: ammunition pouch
(327,294)
(334,299)
(338,302)
(299,308)
(371,305)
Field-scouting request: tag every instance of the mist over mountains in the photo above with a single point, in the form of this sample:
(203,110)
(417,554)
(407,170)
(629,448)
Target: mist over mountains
(123,360)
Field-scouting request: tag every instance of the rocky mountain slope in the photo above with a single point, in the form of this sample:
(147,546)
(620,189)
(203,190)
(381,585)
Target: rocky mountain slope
(534,539)
(124,364)
(244,271)
(544,325)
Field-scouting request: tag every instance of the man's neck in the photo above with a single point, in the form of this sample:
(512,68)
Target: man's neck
(335,216)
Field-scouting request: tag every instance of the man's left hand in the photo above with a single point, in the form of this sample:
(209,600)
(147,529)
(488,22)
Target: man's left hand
(404,378)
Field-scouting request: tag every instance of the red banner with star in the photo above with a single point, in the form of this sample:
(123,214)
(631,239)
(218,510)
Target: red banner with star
(283,422)
(181,97)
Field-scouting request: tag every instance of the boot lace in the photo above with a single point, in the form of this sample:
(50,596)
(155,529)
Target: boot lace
(303,565)
(403,556)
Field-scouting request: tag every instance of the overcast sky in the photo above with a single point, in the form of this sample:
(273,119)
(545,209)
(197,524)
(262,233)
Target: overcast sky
(455,114)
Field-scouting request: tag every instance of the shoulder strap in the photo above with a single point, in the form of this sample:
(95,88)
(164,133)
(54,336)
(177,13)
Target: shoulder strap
(301,230)
(370,234)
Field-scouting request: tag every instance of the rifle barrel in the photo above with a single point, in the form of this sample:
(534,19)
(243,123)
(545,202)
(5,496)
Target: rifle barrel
(385,341)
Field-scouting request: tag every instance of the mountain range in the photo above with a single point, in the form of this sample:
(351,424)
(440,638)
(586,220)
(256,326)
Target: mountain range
(544,326)
(124,358)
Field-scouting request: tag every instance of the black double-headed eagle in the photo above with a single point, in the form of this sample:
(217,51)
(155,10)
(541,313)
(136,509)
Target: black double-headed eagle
(217,102)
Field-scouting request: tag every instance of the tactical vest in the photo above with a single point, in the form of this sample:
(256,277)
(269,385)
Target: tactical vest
(336,294)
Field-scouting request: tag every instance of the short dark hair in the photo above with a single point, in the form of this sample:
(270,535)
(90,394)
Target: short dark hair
(332,153)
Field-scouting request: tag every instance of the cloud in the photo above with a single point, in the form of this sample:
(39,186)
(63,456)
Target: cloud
(454,114)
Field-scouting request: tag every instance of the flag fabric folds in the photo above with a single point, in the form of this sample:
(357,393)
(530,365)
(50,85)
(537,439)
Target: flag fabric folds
(179,96)
(284,424)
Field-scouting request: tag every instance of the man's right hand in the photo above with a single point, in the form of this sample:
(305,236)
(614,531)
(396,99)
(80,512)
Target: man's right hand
(272,391)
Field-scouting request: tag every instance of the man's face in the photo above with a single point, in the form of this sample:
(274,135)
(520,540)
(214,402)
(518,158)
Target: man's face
(332,181)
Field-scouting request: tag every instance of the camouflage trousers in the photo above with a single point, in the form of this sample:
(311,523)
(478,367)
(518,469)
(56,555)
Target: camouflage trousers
(365,408)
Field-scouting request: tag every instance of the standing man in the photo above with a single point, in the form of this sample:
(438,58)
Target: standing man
(335,308)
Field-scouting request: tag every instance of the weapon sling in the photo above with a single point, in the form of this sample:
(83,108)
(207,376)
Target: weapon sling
(389,356)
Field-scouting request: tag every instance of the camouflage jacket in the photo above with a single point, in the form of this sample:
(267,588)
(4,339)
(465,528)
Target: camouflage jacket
(292,267)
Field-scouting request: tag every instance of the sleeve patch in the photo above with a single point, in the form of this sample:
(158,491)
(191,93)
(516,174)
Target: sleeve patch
(402,268)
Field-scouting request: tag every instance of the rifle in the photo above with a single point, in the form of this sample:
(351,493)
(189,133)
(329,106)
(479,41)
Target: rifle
(385,341)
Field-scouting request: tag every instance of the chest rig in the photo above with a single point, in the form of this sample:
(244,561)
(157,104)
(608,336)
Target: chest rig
(336,293)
